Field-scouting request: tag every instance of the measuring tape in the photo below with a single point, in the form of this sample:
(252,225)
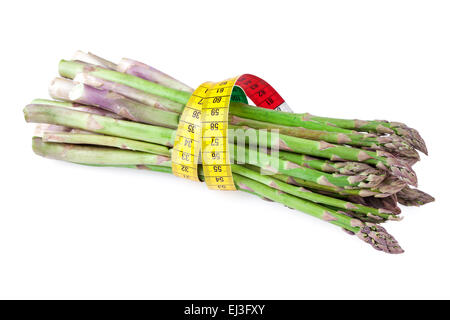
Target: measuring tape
(262,93)
(203,127)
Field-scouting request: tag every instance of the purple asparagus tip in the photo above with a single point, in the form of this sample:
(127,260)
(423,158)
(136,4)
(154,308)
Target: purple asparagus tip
(379,238)
(413,197)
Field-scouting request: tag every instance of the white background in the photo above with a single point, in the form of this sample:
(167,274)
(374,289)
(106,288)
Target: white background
(68,231)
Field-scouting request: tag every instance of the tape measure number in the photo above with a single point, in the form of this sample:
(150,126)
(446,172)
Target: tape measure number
(215,151)
(204,125)
(187,145)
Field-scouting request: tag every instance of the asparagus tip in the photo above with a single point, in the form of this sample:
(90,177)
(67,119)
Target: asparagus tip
(413,197)
(401,169)
(412,136)
(379,238)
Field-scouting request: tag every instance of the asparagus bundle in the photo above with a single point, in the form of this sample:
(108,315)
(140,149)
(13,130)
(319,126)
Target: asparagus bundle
(351,173)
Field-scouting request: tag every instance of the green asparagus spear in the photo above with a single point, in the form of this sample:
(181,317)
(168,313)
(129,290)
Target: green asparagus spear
(413,197)
(112,102)
(131,93)
(99,124)
(103,140)
(96,155)
(307,194)
(165,136)
(384,127)
(278,165)
(370,233)
(69,69)
(390,143)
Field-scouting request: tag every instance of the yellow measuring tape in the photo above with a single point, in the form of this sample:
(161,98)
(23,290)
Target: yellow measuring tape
(203,126)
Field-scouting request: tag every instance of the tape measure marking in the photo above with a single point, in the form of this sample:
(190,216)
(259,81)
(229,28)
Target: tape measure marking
(215,151)
(262,93)
(186,149)
(204,125)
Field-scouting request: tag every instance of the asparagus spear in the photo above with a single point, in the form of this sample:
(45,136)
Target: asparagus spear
(151,168)
(342,167)
(132,93)
(65,104)
(390,143)
(62,137)
(69,69)
(308,195)
(387,203)
(380,159)
(112,102)
(409,134)
(413,197)
(147,72)
(93,59)
(398,168)
(361,216)
(370,233)
(369,167)
(275,165)
(243,110)
(148,167)
(166,104)
(96,155)
(336,191)
(78,107)
(165,136)
(102,140)
(99,124)
(134,111)
(381,191)
(62,90)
